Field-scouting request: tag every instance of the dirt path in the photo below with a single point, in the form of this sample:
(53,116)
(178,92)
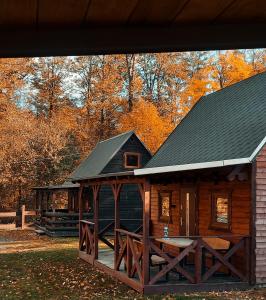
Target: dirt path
(13,241)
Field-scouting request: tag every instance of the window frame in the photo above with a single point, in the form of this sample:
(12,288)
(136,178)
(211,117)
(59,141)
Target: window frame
(227,194)
(161,218)
(125,160)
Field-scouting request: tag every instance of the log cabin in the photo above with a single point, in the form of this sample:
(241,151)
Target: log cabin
(204,202)
(59,216)
(112,158)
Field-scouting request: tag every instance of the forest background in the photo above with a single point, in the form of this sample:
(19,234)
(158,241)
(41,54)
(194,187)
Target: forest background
(54,110)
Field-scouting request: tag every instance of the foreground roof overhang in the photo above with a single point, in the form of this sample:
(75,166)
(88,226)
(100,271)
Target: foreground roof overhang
(56,27)
(201,165)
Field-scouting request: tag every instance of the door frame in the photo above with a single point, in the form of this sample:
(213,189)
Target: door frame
(193,189)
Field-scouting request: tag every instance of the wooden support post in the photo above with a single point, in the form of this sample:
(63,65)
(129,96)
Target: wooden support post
(146,232)
(80,208)
(23,217)
(248,254)
(69,200)
(198,261)
(116,192)
(129,258)
(253,231)
(95,189)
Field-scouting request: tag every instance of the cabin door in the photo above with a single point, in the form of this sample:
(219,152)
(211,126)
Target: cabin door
(188,206)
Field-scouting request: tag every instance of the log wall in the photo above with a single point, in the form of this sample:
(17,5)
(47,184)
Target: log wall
(260,217)
(241,207)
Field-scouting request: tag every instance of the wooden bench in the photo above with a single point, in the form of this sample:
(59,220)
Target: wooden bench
(218,244)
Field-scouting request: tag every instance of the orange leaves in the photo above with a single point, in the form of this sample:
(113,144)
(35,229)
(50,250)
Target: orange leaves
(148,125)
(229,68)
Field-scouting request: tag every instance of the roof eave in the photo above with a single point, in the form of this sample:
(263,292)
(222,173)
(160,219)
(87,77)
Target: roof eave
(196,166)
(118,174)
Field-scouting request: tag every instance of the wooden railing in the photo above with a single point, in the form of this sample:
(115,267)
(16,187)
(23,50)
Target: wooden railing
(108,230)
(204,260)
(130,252)
(61,221)
(200,273)
(19,217)
(87,238)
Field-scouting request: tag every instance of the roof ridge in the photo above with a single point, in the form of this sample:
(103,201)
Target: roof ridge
(113,137)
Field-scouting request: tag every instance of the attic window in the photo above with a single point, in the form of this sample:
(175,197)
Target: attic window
(131,160)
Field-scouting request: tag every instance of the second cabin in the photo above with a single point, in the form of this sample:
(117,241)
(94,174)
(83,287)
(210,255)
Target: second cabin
(115,157)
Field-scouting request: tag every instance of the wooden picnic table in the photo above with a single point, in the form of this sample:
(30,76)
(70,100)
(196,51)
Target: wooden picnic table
(215,243)
(176,242)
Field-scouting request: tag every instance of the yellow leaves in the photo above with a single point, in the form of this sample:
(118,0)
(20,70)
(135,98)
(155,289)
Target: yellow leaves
(148,125)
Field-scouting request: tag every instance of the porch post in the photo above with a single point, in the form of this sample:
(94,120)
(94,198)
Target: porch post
(80,207)
(146,231)
(95,189)
(69,200)
(116,192)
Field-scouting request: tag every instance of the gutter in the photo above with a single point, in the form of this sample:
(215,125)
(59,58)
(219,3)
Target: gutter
(203,165)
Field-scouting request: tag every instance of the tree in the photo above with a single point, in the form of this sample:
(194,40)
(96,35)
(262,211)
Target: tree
(145,120)
(229,67)
(46,83)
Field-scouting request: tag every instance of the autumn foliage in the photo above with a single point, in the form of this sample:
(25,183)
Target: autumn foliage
(53,111)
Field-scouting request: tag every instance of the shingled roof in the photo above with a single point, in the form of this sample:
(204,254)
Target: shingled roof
(223,128)
(102,154)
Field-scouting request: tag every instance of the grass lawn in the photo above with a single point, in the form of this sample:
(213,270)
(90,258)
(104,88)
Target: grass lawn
(57,273)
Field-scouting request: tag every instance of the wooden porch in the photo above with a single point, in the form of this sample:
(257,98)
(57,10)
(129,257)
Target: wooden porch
(197,266)
(151,261)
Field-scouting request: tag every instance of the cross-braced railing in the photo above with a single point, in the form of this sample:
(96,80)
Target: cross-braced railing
(86,238)
(130,253)
(195,263)
(206,260)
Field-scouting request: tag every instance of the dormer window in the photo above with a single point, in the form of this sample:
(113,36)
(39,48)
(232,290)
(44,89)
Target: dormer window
(131,160)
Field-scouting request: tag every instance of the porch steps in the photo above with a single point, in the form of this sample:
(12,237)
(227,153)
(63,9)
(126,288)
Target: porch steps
(40,232)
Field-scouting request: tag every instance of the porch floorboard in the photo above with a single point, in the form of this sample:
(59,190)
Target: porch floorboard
(106,257)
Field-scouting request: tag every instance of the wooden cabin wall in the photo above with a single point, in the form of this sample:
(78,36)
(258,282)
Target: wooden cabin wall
(241,206)
(130,206)
(260,217)
(117,162)
(156,225)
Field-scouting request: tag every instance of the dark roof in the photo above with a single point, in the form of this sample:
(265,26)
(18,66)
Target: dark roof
(225,125)
(104,151)
(66,185)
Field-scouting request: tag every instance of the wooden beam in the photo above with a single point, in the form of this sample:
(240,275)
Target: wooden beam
(146,233)
(130,39)
(253,224)
(95,190)
(116,188)
(80,207)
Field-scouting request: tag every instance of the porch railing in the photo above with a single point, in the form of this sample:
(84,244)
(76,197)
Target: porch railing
(204,260)
(87,238)
(60,221)
(130,253)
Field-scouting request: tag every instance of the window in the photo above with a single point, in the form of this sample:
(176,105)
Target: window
(132,160)
(165,206)
(221,210)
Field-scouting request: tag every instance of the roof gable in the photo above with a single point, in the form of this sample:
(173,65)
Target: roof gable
(226,125)
(101,156)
